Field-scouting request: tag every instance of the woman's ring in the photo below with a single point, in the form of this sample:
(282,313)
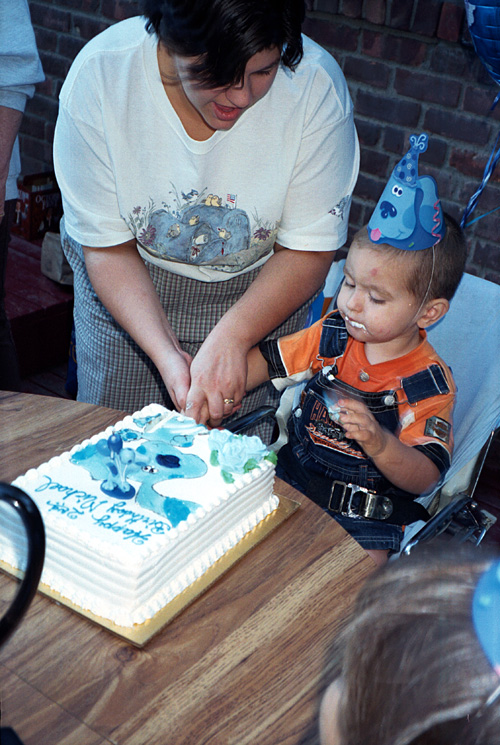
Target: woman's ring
(229,401)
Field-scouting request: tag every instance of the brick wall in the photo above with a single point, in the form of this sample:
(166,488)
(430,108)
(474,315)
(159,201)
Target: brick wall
(410,68)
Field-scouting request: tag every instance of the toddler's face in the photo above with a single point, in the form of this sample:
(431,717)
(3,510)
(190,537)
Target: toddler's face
(373,300)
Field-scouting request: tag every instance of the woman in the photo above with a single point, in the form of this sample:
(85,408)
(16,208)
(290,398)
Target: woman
(206,164)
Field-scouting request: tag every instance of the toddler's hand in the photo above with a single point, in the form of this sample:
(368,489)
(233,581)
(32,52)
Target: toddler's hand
(360,425)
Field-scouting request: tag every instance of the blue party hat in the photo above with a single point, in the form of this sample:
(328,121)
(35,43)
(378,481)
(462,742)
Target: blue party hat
(486,614)
(408,215)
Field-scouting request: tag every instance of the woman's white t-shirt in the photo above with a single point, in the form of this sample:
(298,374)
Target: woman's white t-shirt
(209,209)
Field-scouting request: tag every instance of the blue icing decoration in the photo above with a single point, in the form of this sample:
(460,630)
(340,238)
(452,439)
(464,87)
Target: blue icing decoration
(115,444)
(175,510)
(145,420)
(169,461)
(117,492)
(155,460)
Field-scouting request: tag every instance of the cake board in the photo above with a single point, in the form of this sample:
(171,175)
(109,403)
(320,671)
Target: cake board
(140,634)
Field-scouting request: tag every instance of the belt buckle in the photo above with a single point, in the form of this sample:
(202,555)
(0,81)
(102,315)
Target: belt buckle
(366,508)
(375,506)
(345,502)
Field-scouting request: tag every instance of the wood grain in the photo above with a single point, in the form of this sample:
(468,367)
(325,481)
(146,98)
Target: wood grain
(245,663)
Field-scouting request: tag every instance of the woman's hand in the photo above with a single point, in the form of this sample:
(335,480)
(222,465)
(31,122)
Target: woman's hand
(219,370)
(174,367)
(218,377)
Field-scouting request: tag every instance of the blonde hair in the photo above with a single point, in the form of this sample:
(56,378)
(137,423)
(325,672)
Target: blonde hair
(414,672)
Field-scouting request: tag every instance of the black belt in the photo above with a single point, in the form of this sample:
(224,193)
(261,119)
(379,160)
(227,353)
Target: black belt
(357,502)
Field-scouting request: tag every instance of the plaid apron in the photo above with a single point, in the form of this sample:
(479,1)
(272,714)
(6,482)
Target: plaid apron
(113,370)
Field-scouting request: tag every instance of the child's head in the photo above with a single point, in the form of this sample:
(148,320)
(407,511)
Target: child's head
(390,293)
(414,671)
(432,272)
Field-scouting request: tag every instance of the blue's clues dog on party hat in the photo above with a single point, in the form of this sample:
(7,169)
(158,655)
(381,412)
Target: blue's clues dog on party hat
(408,215)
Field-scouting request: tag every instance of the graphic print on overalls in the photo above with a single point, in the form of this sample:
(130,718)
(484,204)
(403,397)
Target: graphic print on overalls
(202,229)
(318,428)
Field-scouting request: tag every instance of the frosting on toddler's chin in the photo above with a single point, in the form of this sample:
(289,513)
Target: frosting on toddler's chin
(355,324)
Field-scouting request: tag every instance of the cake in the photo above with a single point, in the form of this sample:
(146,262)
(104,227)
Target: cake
(138,512)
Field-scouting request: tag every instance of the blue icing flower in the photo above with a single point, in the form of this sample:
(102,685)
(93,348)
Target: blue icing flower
(235,451)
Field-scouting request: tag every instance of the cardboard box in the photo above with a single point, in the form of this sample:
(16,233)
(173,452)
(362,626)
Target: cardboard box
(39,207)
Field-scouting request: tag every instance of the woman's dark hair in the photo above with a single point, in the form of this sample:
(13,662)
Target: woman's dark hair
(224,34)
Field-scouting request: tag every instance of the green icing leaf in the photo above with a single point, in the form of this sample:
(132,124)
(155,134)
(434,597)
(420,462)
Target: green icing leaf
(227,477)
(214,460)
(271,457)
(250,465)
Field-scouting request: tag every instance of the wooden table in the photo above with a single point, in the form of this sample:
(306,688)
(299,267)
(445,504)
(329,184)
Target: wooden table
(246,663)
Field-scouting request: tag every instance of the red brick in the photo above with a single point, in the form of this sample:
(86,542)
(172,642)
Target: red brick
(397,141)
(426,18)
(436,152)
(69,46)
(352,8)
(43,107)
(456,126)
(87,27)
(374,163)
(46,39)
(427,88)
(336,36)
(119,10)
(368,132)
(32,125)
(400,15)
(487,255)
(480,100)
(54,65)
(374,11)
(490,196)
(403,50)
(448,60)
(368,188)
(367,71)
(50,17)
(356,215)
(325,6)
(387,109)
(471,163)
(450,22)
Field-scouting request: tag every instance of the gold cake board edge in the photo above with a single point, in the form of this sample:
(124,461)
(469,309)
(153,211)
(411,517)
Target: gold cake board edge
(140,634)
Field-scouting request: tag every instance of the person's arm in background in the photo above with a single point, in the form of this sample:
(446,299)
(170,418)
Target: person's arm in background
(10,121)
(20,69)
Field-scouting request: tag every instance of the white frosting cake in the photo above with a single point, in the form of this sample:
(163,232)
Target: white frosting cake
(138,512)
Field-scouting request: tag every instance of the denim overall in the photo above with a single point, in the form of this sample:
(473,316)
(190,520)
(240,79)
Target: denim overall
(311,427)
